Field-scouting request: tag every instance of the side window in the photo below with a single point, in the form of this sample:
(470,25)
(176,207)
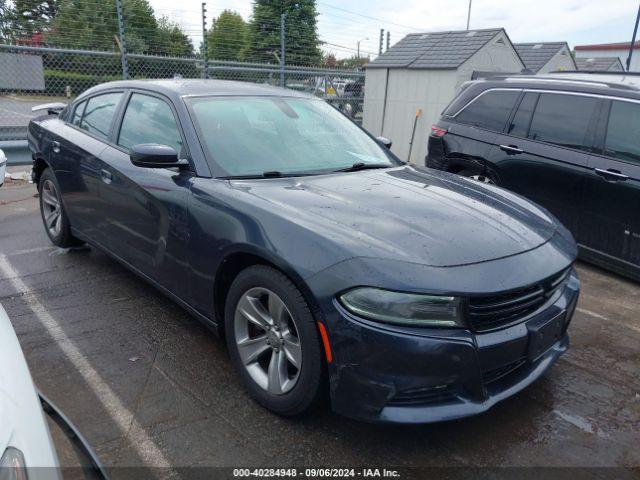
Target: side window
(491,110)
(623,132)
(563,120)
(149,120)
(77,114)
(519,126)
(99,112)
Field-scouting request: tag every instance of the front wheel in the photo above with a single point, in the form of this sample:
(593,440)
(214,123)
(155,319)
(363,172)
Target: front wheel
(54,218)
(273,341)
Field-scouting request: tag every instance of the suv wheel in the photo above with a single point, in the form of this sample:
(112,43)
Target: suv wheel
(478,177)
(273,341)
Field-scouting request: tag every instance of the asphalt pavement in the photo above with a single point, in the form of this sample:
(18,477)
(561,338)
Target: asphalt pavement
(150,387)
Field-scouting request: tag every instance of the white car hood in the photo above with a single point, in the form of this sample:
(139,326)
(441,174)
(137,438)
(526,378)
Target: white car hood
(23,424)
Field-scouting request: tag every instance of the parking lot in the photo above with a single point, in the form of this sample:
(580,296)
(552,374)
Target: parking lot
(149,386)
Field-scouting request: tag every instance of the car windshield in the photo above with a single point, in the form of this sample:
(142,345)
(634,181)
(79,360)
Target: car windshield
(272,136)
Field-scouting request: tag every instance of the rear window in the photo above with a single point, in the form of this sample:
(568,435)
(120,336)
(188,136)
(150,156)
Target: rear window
(99,112)
(623,132)
(563,120)
(490,110)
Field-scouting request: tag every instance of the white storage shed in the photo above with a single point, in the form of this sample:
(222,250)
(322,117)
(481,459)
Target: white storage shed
(546,57)
(424,71)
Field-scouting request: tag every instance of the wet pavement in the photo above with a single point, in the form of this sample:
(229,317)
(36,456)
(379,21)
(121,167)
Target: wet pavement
(149,386)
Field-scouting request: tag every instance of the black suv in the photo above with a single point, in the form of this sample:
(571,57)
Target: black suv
(569,141)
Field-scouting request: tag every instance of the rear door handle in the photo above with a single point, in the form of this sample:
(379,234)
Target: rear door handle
(106,176)
(55,146)
(611,175)
(511,149)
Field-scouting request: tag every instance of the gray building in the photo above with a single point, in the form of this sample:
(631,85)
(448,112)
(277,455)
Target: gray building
(546,57)
(600,64)
(423,72)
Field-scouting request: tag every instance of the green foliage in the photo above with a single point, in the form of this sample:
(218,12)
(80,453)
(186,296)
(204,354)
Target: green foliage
(171,40)
(31,16)
(301,35)
(93,24)
(228,37)
(55,82)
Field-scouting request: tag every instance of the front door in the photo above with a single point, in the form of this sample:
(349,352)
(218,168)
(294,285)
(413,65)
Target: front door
(146,208)
(612,205)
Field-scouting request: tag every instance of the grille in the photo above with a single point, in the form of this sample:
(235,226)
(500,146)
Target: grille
(424,395)
(490,313)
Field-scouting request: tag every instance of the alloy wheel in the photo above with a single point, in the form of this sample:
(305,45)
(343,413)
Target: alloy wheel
(51,208)
(267,340)
(482,179)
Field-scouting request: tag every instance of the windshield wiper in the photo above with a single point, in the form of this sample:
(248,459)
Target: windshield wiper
(363,166)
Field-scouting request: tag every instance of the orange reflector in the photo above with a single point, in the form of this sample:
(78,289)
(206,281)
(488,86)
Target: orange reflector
(325,341)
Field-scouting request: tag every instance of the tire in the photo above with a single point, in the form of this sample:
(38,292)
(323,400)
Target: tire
(54,218)
(290,391)
(479,177)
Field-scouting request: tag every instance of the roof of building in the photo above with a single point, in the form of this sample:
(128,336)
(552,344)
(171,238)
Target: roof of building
(435,50)
(599,64)
(536,55)
(608,46)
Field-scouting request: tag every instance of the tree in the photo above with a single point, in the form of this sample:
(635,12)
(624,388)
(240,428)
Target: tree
(31,16)
(228,37)
(171,40)
(5,21)
(92,24)
(301,34)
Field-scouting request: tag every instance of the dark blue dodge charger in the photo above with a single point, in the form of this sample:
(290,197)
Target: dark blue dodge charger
(332,268)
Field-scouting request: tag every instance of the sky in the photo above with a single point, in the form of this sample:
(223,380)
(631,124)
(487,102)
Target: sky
(343,23)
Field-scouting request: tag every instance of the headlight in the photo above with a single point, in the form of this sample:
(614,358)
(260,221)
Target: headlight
(12,465)
(409,309)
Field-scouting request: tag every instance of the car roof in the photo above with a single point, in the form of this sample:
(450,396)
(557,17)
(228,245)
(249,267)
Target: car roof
(179,87)
(599,82)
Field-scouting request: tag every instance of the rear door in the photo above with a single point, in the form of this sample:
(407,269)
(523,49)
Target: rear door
(146,208)
(75,158)
(544,153)
(474,129)
(612,202)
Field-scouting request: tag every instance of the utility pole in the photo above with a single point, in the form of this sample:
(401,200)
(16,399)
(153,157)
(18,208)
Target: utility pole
(122,44)
(283,18)
(469,15)
(633,41)
(358,50)
(205,52)
(388,39)
(381,41)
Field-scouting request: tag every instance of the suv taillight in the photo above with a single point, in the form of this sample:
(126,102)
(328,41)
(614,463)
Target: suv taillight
(438,132)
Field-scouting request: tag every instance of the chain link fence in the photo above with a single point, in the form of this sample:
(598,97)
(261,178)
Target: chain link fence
(34,75)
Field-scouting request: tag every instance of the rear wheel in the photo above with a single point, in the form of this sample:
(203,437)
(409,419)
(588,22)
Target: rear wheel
(273,341)
(54,218)
(478,177)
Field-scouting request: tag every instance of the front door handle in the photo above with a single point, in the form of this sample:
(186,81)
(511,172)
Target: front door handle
(511,149)
(106,176)
(55,146)
(611,175)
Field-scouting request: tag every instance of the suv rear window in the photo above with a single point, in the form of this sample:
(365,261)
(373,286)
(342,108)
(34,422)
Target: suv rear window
(563,120)
(623,131)
(490,110)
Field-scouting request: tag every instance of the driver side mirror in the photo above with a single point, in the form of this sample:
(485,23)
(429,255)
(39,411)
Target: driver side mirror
(152,155)
(384,141)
